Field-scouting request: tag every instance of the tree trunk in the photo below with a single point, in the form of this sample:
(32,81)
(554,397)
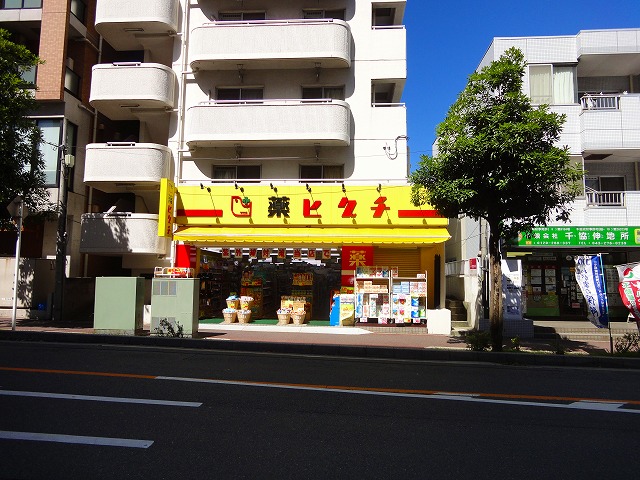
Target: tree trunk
(495,298)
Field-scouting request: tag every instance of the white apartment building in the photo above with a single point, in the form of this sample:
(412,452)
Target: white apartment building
(280,125)
(594,79)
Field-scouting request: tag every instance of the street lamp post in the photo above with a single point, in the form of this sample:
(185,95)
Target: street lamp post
(19,211)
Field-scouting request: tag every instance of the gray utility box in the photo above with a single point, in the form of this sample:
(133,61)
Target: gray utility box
(177,301)
(119,305)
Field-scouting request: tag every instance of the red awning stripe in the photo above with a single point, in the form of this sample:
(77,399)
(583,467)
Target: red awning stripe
(199,213)
(418,214)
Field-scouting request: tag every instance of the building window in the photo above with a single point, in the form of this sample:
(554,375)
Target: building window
(319,14)
(320,172)
(29,76)
(237,172)
(335,93)
(552,84)
(241,16)
(240,93)
(382,92)
(79,9)
(383,16)
(51,136)
(72,82)
(605,184)
(10,4)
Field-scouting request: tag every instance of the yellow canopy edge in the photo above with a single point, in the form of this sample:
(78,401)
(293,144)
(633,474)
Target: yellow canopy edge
(318,237)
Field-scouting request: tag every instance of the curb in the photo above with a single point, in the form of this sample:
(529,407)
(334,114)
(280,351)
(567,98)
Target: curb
(355,351)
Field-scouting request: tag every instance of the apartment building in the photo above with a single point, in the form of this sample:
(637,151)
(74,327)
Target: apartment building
(62,34)
(280,128)
(594,79)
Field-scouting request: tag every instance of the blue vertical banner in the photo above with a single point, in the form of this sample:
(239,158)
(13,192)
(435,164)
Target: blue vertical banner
(590,278)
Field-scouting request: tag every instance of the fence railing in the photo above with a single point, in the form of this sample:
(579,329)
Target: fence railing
(605,199)
(600,102)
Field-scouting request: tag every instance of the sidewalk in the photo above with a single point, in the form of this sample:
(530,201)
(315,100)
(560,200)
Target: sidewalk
(344,341)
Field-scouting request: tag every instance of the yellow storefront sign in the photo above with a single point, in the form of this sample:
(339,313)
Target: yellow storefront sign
(299,206)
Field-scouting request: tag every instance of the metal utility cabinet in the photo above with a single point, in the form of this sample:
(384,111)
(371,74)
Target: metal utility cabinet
(176,300)
(119,304)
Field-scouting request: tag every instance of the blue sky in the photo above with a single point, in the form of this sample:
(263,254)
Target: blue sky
(447,39)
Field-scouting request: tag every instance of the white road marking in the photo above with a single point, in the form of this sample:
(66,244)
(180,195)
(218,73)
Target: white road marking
(77,439)
(456,397)
(67,396)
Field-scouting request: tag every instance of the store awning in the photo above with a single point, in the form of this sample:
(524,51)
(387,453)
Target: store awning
(313,236)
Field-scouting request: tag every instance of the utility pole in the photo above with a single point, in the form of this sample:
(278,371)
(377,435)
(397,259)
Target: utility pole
(67,161)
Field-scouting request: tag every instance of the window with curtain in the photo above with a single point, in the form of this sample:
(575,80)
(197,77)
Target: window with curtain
(317,172)
(552,84)
(334,92)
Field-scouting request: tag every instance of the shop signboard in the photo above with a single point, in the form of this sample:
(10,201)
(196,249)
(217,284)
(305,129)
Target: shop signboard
(352,258)
(166,216)
(293,205)
(581,237)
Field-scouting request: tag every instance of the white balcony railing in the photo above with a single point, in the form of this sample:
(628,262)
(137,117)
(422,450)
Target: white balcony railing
(260,43)
(124,23)
(268,122)
(605,199)
(120,233)
(600,102)
(128,90)
(118,166)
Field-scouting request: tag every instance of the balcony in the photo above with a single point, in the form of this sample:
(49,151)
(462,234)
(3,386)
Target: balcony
(126,24)
(605,199)
(132,90)
(116,167)
(271,44)
(121,233)
(268,122)
(610,122)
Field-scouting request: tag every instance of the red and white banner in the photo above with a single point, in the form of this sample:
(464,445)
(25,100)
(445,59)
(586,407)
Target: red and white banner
(282,253)
(629,289)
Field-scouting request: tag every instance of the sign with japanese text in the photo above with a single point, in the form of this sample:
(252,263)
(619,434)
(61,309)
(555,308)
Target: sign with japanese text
(293,205)
(581,237)
(353,257)
(166,211)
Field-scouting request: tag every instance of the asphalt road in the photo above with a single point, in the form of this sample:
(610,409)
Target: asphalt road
(99,411)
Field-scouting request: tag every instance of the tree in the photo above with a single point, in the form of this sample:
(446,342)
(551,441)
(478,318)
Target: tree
(496,159)
(21,163)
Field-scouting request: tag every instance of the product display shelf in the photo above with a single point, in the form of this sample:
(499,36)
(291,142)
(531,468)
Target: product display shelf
(211,295)
(409,300)
(387,299)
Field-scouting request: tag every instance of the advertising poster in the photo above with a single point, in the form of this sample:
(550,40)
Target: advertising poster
(629,289)
(590,279)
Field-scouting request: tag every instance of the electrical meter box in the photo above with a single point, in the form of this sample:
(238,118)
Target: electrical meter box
(176,301)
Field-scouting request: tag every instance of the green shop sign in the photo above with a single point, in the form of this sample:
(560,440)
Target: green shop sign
(581,237)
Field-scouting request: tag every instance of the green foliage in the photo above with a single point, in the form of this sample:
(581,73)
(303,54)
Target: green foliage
(496,157)
(167,329)
(628,343)
(515,343)
(477,341)
(20,158)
